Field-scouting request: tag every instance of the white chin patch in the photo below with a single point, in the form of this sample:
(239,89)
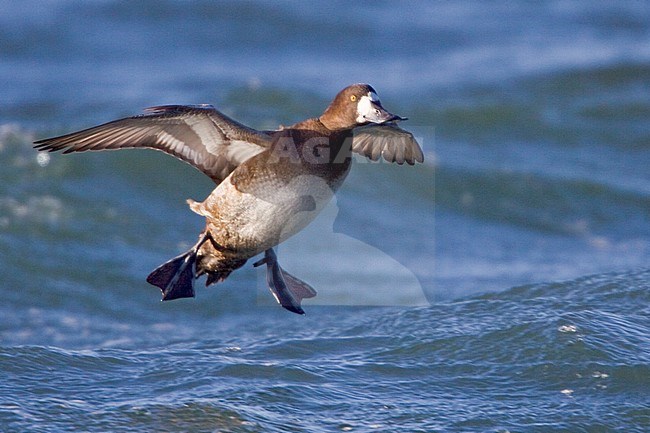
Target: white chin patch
(364,106)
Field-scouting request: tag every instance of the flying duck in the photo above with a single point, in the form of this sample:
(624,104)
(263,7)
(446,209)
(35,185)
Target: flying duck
(270,184)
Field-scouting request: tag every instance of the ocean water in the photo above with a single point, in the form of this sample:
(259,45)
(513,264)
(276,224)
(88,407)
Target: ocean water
(501,286)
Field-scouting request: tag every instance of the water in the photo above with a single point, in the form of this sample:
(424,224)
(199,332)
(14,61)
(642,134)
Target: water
(524,240)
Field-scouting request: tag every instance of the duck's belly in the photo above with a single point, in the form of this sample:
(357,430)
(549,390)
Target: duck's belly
(249,222)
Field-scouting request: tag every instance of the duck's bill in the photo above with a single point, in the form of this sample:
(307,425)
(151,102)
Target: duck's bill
(372,112)
(380,115)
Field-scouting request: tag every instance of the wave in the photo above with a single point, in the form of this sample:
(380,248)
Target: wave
(537,202)
(509,358)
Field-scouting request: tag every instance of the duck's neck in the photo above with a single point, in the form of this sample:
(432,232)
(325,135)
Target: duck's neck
(334,121)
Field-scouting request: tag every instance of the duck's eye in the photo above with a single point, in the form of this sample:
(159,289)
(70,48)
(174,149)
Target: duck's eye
(353,98)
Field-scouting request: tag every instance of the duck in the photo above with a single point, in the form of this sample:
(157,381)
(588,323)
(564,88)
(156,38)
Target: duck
(269,184)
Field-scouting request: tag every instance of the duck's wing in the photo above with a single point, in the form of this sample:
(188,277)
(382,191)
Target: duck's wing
(197,134)
(388,141)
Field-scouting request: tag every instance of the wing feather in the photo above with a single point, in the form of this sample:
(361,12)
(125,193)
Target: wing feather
(197,134)
(387,141)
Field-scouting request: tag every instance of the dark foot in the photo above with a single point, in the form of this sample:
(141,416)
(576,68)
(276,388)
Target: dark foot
(175,278)
(288,290)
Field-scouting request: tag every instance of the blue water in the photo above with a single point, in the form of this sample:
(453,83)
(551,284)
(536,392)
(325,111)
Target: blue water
(502,286)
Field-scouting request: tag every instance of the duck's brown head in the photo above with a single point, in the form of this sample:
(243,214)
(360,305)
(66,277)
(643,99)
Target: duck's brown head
(356,105)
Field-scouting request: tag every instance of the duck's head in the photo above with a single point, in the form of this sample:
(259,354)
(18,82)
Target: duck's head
(356,105)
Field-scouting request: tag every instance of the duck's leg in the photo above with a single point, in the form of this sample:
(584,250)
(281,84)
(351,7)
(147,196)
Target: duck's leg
(175,278)
(288,290)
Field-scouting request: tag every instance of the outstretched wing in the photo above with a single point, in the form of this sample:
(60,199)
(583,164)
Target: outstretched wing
(388,141)
(197,134)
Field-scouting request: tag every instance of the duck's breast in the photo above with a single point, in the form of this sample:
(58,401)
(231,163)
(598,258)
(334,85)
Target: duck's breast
(251,220)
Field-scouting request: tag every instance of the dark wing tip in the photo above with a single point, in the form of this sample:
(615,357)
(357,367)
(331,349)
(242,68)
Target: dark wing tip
(50,145)
(419,155)
(176,109)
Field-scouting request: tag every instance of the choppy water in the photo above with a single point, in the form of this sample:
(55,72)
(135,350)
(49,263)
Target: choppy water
(525,238)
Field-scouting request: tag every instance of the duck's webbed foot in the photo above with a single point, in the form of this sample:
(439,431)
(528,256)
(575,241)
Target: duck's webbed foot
(175,278)
(288,290)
